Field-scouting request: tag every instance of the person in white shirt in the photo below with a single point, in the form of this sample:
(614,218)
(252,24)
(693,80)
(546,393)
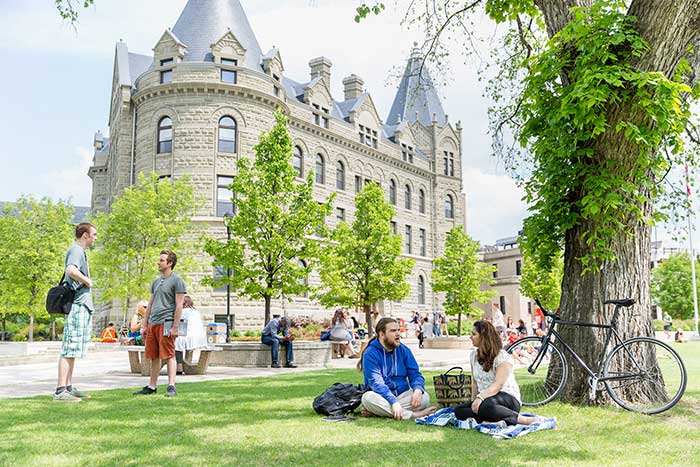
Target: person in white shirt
(195,338)
(495,391)
(498,321)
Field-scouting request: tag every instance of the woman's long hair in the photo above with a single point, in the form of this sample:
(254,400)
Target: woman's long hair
(381,327)
(338,316)
(489,344)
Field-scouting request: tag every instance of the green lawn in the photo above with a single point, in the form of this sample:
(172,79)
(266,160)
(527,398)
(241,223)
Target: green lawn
(269,422)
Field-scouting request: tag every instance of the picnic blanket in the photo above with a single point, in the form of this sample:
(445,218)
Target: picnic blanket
(446,416)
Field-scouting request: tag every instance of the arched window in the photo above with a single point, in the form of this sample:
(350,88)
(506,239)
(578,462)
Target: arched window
(421,201)
(421,290)
(340,176)
(392,192)
(449,207)
(407,197)
(165,135)
(227,134)
(298,161)
(320,170)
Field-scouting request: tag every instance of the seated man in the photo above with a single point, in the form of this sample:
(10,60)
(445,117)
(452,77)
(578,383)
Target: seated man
(271,337)
(109,334)
(397,389)
(134,335)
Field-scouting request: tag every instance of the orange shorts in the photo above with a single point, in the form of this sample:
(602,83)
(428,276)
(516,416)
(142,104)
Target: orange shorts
(158,345)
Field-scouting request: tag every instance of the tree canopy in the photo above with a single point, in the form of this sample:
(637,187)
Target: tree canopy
(672,285)
(362,264)
(542,284)
(277,225)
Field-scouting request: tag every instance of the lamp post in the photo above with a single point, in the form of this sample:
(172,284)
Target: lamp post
(227,218)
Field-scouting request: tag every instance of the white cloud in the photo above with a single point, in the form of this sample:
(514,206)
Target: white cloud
(494,206)
(71,182)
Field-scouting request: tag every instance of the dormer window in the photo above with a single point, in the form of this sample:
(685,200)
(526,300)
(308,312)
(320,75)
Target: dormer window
(407,153)
(228,75)
(166,75)
(368,136)
(321,115)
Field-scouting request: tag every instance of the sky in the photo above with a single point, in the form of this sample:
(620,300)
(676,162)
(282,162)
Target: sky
(55,85)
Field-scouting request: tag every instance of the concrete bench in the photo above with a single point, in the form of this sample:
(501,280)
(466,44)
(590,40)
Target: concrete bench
(314,354)
(338,347)
(141,365)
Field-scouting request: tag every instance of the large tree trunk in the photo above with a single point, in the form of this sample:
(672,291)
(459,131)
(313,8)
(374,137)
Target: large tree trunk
(4,327)
(368,320)
(459,324)
(30,337)
(268,306)
(667,26)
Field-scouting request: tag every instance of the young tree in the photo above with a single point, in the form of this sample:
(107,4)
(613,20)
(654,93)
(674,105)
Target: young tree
(672,285)
(362,264)
(34,244)
(600,101)
(149,216)
(540,283)
(460,274)
(273,244)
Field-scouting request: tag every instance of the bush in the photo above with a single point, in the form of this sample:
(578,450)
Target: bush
(235,333)
(19,337)
(253,333)
(686,324)
(467,324)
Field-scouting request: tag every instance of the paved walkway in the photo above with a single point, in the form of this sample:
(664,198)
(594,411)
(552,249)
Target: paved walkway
(110,370)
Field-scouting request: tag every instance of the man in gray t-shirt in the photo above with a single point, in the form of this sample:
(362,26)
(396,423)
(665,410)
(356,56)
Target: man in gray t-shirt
(162,317)
(78,323)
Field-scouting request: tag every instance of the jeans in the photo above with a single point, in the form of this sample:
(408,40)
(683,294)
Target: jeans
(502,406)
(274,342)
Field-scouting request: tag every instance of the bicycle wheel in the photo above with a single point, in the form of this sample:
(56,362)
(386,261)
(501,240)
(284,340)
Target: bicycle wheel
(541,378)
(649,376)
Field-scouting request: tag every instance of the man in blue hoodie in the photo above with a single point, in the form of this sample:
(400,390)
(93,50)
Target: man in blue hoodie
(397,389)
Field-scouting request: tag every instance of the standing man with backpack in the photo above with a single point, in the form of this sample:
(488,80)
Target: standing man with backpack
(161,321)
(76,332)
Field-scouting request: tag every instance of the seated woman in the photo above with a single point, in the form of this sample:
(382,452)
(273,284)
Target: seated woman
(136,323)
(521,327)
(495,391)
(109,334)
(341,330)
(195,338)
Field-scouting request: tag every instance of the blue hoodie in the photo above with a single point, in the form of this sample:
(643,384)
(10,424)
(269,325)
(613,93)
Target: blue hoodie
(390,373)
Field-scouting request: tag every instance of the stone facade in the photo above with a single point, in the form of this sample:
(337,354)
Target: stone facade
(196,91)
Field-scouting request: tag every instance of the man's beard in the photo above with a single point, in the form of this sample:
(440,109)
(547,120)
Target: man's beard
(390,344)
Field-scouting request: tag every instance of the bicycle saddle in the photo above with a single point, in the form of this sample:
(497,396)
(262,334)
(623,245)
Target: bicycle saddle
(622,302)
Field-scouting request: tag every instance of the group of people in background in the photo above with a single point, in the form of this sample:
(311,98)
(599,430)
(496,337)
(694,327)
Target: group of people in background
(431,325)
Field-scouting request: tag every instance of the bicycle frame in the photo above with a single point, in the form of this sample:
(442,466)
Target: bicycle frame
(611,332)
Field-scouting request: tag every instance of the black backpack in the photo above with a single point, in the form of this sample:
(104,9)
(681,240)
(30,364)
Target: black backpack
(339,399)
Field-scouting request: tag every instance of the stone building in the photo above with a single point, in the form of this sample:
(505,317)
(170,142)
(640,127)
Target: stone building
(201,101)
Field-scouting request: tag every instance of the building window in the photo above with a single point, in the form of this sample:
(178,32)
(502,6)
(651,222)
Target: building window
(340,176)
(407,197)
(452,167)
(304,280)
(321,115)
(393,227)
(502,302)
(409,240)
(407,153)
(421,241)
(320,170)
(449,207)
(340,214)
(421,201)
(224,196)
(421,290)
(449,161)
(298,161)
(166,75)
(358,183)
(165,135)
(219,272)
(368,136)
(446,171)
(227,134)
(518,267)
(495,270)
(228,76)
(392,192)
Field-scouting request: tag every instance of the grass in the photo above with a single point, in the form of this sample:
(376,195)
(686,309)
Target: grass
(269,422)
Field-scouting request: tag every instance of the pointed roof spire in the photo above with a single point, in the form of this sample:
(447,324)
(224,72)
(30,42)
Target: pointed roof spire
(203,22)
(416,99)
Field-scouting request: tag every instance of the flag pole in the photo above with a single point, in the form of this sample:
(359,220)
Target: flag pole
(692,251)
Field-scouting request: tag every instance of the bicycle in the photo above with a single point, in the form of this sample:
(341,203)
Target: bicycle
(641,374)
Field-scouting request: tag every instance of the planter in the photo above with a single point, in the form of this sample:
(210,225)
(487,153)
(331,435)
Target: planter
(461,343)
(314,354)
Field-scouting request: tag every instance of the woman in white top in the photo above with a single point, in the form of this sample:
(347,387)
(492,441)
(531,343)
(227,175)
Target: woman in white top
(195,338)
(496,393)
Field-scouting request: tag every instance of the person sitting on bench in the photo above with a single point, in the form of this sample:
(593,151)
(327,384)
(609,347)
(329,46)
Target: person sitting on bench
(109,334)
(270,336)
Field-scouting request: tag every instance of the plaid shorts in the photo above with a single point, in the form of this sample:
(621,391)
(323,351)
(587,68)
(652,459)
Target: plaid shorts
(76,332)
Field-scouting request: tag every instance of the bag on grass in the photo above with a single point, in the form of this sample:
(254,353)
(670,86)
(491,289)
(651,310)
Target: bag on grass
(452,389)
(339,399)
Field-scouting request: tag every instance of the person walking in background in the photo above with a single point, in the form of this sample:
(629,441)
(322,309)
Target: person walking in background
(195,337)
(668,322)
(436,324)
(498,321)
(165,308)
(76,331)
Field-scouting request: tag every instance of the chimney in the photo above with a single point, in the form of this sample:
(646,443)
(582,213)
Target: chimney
(353,86)
(321,66)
